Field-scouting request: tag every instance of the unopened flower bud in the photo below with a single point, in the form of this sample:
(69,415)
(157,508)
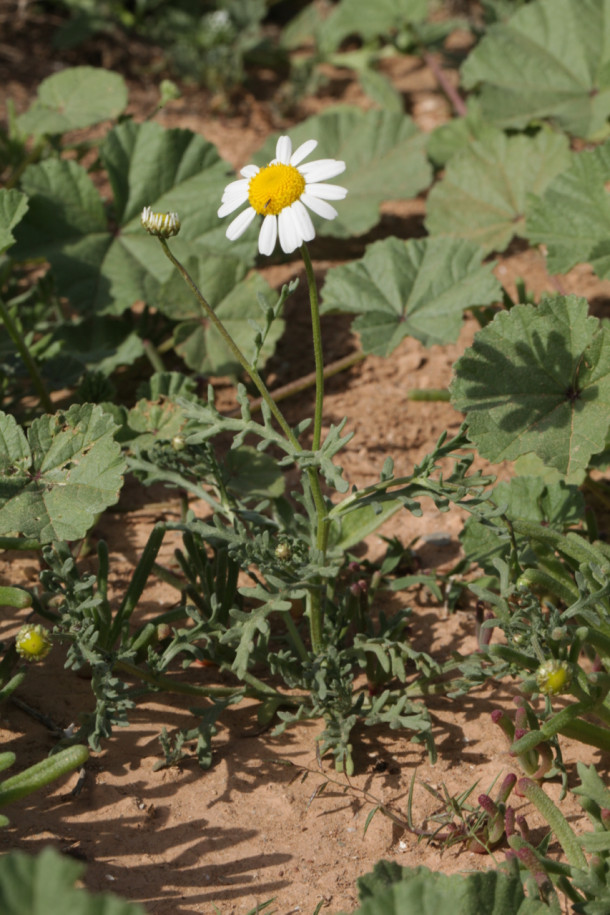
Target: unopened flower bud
(163,225)
(283,551)
(33,642)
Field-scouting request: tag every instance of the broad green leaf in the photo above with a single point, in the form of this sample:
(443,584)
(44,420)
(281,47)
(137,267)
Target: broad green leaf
(378,87)
(201,345)
(384,155)
(538,380)
(156,416)
(526,498)
(457,134)
(572,218)
(55,482)
(388,892)
(483,195)
(44,885)
(13,206)
(101,343)
(74,98)
(369,20)
(550,60)
(417,288)
(103,267)
(252,474)
(155,420)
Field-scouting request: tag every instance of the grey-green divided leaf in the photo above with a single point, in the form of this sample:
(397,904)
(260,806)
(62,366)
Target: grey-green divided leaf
(13,206)
(385,158)
(550,60)
(103,267)
(538,380)
(55,482)
(44,885)
(483,195)
(572,218)
(236,304)
(395,890)
(417,288)
(75,98)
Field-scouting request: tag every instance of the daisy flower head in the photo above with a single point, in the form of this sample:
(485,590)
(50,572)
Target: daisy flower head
(282,193)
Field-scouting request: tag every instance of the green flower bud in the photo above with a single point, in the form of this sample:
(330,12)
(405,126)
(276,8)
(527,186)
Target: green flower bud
(162,224)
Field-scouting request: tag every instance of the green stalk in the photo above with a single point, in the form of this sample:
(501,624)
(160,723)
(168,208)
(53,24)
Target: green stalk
(228,339)
(317,347)
(22,348)
(315,594)
(556,820)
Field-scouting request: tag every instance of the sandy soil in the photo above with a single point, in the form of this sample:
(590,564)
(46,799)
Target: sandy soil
(256,825)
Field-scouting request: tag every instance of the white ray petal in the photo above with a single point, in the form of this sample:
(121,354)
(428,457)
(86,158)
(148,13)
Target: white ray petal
(303,222)
(327,191)
(283,150)
(235,187)
(321,207)
(289,239)
(303,151)
(249,171)
(322,169)
(230,203)
(240,224)
(268,235)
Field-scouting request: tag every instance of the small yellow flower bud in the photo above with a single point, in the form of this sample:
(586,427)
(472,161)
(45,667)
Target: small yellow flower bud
(162,224)
(553,677)
(283,551)
(33,642)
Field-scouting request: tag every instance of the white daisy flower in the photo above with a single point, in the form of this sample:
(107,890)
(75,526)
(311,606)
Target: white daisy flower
(281,192)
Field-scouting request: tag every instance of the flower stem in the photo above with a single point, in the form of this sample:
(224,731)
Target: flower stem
(317,347)
(22,347)
(315,593)
(228,339)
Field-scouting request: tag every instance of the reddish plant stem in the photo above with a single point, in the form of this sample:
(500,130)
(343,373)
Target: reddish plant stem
(459,105)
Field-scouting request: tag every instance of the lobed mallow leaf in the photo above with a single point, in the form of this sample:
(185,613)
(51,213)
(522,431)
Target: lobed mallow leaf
(572,217)
(74,98)
(105,265)
(13,206)
(54,482)
(394,890)
(385,157)
(236,302)
(538,380)
(484,194)
(369,21)
(417,288)
(44,885)
(550,60)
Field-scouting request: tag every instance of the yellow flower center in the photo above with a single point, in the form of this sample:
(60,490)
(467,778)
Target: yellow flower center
(274,188)
(33,642)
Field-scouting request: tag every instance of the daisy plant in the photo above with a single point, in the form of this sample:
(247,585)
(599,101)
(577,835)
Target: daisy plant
(296,557)
(281,192)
